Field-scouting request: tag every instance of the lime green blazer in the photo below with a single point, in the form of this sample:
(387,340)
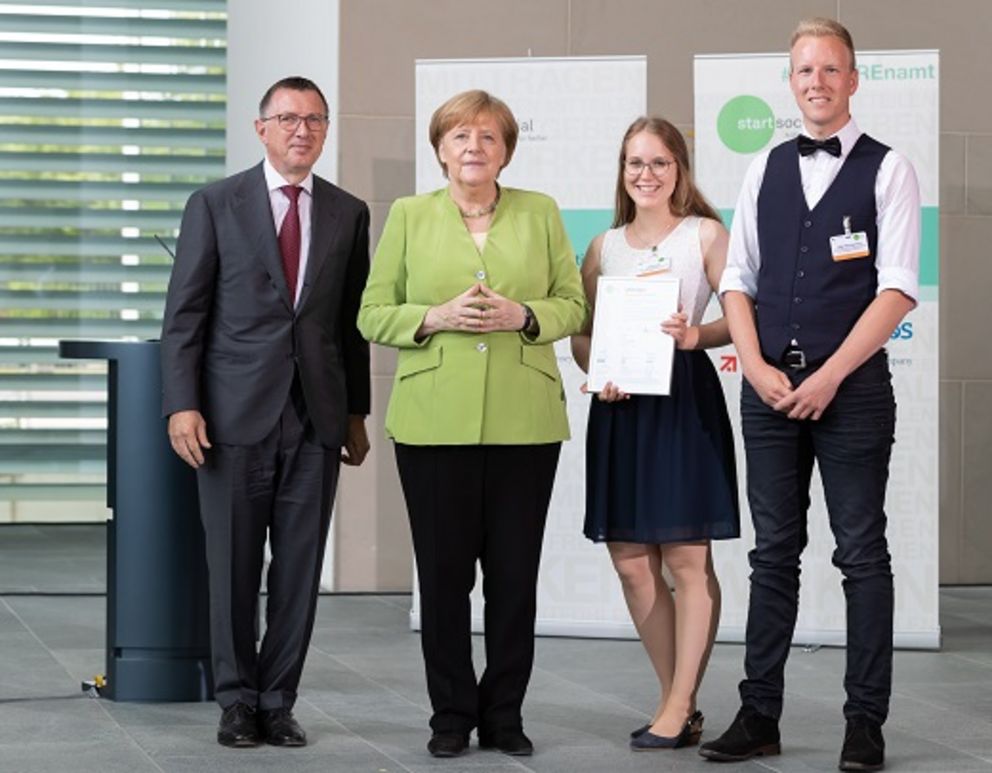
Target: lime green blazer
(470,388)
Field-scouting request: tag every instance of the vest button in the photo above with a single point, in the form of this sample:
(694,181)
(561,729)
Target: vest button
(481,347)
(808,223)
(797,299)
(800,274)
(794,325)
(804,248)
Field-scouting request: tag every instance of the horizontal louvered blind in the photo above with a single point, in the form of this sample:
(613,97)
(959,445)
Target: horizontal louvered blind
(110,116)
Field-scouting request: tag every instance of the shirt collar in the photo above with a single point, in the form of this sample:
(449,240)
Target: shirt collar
(274,181)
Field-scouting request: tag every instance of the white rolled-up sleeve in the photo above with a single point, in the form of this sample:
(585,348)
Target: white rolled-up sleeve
(897,201)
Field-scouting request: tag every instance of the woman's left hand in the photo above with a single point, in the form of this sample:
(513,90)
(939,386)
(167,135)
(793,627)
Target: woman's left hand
(677,326)
(499,313)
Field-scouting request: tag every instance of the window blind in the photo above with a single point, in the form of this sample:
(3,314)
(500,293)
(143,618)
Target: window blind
(110,116)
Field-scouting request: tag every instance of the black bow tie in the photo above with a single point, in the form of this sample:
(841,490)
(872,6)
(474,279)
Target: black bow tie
(808,146)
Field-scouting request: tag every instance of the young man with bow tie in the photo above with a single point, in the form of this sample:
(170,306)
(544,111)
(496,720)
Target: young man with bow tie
(822,267)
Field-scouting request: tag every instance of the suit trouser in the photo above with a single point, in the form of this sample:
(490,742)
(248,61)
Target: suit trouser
(851,444)
(283,487)
(484,503)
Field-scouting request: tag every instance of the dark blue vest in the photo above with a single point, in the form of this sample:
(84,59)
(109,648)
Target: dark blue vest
(803,293)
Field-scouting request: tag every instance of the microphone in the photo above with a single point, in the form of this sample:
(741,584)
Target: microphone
(165,246)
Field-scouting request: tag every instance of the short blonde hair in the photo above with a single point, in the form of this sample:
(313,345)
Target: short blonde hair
(466,107)
(822,27)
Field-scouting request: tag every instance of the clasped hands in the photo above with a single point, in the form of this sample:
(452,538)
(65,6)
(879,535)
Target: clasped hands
(807,401)
(479,309)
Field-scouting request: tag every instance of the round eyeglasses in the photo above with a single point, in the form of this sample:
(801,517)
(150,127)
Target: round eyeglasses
(658,166)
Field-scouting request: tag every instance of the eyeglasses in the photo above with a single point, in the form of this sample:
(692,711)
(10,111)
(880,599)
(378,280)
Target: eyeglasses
(290,121)
(658,166)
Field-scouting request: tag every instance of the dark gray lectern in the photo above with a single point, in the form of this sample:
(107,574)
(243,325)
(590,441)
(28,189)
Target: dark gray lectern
(158,626)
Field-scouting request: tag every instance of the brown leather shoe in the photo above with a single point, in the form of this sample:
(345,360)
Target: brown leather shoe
(238,726)
(280,728)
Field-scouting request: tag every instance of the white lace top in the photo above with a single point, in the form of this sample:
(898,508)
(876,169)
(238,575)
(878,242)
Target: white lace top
(678,255)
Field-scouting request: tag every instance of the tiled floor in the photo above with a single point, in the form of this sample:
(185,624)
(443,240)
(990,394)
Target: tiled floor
(364,706)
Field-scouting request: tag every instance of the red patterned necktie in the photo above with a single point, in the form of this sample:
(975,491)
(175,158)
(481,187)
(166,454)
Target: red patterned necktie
(289,238)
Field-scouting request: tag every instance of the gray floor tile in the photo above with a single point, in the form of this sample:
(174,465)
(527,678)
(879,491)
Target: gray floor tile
(365,707)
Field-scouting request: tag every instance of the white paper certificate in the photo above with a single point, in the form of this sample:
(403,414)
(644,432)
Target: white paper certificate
(629,347)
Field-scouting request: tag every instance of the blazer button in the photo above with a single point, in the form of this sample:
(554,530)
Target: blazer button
(797,299)
(481,347)
(480,274)
(808,223)
(804,248)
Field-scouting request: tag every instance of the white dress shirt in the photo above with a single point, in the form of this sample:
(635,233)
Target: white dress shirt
(280,206)
(897,203)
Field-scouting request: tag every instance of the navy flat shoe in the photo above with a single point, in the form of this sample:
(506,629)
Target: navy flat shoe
(688,736)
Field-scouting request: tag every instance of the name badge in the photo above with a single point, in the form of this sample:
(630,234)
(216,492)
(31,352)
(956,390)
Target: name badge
(653,264)
(848,246)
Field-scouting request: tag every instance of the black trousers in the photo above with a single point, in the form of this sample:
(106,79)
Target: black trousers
(851,444)
(485,504)
(282,487)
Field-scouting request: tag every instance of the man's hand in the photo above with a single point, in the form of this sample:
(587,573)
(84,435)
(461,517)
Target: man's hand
(356,442)
(188,436)
(810,399)
(771,384)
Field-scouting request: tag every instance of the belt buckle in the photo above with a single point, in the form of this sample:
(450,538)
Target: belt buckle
(795,359)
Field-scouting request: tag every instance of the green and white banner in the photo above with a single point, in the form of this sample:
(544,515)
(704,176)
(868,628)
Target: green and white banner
(572,113)
(743,106)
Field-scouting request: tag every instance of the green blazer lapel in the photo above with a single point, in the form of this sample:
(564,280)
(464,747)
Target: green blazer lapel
(253,211)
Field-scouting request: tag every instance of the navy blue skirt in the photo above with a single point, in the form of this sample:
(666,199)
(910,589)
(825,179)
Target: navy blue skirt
(661,469)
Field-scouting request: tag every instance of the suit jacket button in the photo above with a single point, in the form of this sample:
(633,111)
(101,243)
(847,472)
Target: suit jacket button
(481,347)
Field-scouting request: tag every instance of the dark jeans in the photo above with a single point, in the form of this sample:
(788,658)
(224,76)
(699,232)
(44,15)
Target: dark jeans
(486,504)
(851,443)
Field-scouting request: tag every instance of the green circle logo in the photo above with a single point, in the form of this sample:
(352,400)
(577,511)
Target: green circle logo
(745,124)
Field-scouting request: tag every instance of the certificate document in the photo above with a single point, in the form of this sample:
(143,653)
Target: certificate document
(629,347)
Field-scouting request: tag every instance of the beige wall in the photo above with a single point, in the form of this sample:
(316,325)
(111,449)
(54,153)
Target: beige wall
(380,39)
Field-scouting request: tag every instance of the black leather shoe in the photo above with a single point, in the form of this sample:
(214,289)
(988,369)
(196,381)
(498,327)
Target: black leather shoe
(750,735)
(280,728)
(688,736)
(238,726)
(864,747)
(448,744)
(507,740)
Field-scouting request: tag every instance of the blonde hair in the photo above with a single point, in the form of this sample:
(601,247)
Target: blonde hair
(686,199)
(465,108)
(822,27)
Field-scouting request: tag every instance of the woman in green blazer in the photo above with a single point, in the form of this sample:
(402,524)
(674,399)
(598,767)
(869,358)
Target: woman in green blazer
(473,283)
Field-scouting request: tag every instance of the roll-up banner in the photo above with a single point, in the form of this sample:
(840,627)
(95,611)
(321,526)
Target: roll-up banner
(743,106)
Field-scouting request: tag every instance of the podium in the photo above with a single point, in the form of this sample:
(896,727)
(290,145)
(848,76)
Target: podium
(158,625)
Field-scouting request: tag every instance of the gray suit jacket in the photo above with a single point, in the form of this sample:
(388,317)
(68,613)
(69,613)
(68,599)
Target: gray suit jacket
(231,338)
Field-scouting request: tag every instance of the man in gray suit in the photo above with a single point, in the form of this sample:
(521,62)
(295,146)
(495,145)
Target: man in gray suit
(265,381)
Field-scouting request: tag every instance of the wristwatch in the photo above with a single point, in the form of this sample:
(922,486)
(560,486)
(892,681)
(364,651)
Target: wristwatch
(529,319)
